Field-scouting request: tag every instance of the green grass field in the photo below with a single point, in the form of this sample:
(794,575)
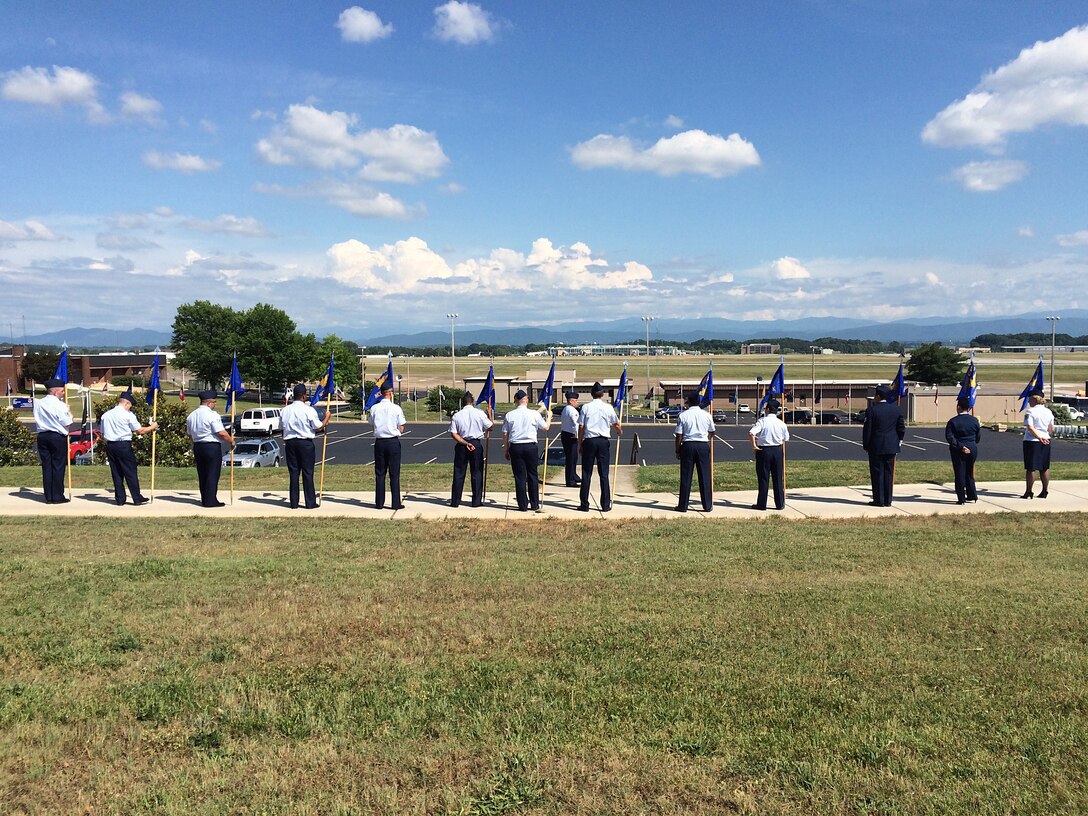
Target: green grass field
(929,666)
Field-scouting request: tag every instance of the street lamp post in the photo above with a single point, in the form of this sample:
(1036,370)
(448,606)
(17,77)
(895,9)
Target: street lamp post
(648,320)
(1053,336)
(813,350)
(453,349)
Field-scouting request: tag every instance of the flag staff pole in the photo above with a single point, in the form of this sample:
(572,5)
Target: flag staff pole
(233,410)
(154,438)
(619,441)
(325,440)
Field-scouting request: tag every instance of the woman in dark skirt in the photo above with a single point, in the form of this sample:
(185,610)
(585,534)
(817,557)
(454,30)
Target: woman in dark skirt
(1038,426)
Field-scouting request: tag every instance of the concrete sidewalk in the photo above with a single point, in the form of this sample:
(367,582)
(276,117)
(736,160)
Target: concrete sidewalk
(560,502)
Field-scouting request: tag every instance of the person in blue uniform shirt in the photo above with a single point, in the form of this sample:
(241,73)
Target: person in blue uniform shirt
(468,428)
(768,438)
(694,427)
(595,424)
(118,425)
(568,434)
(52,418)
(388,421)
(881,437)
(963,433)
(205,428)
(1038,427)
(519,434)
(300,424)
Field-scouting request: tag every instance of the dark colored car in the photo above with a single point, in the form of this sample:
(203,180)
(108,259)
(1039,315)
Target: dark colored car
(671,412)
(830,418)
(802,416)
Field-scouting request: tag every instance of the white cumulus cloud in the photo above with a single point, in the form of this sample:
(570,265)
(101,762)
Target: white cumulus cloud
(674,122)
(692,151)
(63,86)
(182,162)
(27,231)
(1046,84)
(464,23)
(309,136)
(138,106)
(354,197)
(362,26)
(787,268)
(1073,239)
(988,176)
(410,266)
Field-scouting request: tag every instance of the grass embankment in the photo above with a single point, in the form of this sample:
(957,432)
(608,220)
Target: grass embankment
(832,473)
(918,667)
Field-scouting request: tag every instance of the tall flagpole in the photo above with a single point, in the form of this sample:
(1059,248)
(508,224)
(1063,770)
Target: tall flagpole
(154,438)
(233,411)
(325,441)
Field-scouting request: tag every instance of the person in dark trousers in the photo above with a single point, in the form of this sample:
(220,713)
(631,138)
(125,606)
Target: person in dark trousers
(388,421)
(596,423)
(519,437)
(694,427)
(768,438)
(569,436)
(205,428)
(881,436)
(300,425)
(963,433)
(118,425)
(468,427)
(52,418)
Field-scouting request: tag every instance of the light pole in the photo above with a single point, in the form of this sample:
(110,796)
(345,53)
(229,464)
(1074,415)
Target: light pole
(453,349)
(1053,335)
(648,320)
(813,350)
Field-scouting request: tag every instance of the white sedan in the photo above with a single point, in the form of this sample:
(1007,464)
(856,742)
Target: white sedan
(254,454)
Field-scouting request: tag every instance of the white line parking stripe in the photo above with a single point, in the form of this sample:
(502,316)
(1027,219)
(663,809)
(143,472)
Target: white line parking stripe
(844,439)
(436,436)
(817,444)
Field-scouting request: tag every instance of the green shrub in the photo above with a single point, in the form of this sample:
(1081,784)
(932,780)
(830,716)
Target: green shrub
(16,441)
(172,446)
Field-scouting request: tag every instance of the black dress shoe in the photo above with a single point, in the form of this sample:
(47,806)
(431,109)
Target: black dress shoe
(961,501)
(141,500)
(1028,495)
(61,501)
(757,507)
(477,504)
(311,506)
(398,506)
(680,509)
(1043,494)
(876,504)
(120,503)
(582,509)
(216,504)
(453,504)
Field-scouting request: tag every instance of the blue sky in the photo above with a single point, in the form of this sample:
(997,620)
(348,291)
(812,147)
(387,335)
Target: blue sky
(371,168)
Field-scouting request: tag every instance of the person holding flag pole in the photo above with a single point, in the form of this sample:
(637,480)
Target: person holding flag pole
(118,425)
(596,421)
(234,388)
(62,374)
(487,399)
(52,418)
(547,392)
(1038,427)
(776,388)
(468,427)
(706,402)
(205,428)
(300,423)
(388,420)
(153,389)
(694,440)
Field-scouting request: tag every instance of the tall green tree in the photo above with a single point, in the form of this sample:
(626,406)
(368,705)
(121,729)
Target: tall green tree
(348,376)
(205,336)
(271,351)
(936,364)
(39,366)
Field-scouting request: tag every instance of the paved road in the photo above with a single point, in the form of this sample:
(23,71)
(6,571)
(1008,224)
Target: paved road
(429,443)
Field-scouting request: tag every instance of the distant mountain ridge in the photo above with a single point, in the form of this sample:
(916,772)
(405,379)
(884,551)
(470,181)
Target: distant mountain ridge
(954,330)
(918,330)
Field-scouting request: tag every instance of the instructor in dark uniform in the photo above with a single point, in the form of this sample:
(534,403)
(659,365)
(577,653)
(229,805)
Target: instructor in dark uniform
(963,433)
(881,436)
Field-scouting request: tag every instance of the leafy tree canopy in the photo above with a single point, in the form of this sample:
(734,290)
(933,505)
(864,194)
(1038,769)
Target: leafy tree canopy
(936,364)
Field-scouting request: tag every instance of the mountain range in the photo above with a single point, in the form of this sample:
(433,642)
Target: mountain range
(958,331)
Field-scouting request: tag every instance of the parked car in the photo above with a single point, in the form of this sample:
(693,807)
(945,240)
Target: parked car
(720,415)
(81,444)
(669,412)
(254,454)
(744,408)
(1075,413)
(800,416)
(830,418)
(259,421)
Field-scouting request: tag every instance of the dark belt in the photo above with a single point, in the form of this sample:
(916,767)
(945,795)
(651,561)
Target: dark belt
(475,440)
(119,442)
(522,443)
(765,447)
